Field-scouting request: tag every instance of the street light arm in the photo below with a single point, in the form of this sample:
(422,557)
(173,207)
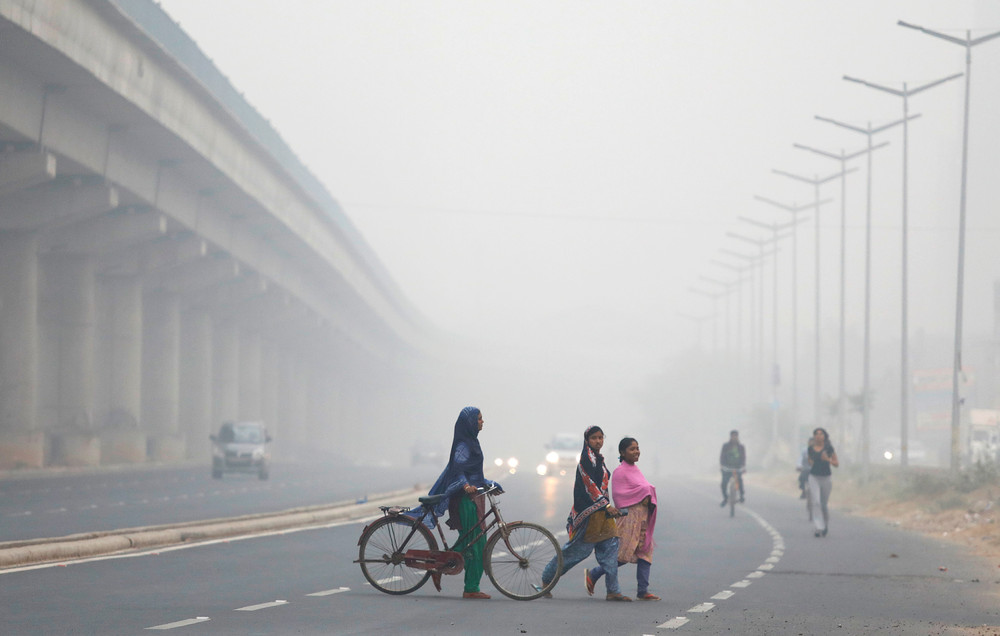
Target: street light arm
(943,36)
(879,87)
(865,150)
(834,176)
(817,151)
(766,226)
(893,124)
(984,38)
(734,268)
(933,84)
(745,257)
(842,124)
(791,208)
(793,176)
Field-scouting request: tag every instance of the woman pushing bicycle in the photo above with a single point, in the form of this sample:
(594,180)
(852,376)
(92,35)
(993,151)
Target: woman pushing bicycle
(458,482)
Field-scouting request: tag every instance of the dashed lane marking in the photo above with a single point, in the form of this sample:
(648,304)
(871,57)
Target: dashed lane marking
(674,623)
(743,583)
(184,623)
(723,595)
(260,606)
(329,592)
(703,607)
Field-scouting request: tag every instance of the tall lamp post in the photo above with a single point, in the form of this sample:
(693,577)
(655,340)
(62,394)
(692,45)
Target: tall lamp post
(843,158)
(968,43)
(775,229)
(728,286)
(869,131)
(714,296)
(904,397)
(815,182)
(755,261)
(739,297)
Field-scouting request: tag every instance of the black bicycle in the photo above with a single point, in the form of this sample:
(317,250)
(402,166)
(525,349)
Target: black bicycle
(398,553)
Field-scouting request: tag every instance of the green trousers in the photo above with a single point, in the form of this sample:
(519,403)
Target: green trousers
(473,554)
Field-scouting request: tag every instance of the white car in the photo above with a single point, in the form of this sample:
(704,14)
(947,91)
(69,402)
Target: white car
(563,454)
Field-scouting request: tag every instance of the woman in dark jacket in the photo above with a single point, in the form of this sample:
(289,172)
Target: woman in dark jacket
(590,497)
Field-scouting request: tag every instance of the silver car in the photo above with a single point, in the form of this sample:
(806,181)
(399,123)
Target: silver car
(241,447)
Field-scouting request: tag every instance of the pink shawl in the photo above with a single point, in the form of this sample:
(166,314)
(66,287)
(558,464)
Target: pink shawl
(629,487)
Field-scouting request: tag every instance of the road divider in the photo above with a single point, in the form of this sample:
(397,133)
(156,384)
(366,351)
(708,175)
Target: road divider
(91,544)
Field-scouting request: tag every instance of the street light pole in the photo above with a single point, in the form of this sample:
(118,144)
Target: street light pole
(794,210)
(968,43)
(843,158)
(728,286)
(815,182)
(865,409)
(755,261)
(904,397)
(739,299)
(715,314)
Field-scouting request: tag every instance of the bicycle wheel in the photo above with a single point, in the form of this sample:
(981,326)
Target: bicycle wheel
(381,556)
(734,491)
(519,575)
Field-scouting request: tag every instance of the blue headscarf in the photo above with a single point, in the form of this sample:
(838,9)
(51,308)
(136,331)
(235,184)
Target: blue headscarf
(465,462)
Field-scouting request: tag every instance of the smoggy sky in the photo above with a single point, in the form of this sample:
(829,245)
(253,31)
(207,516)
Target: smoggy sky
(558,175)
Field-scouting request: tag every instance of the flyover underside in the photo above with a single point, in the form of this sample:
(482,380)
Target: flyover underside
(150,289)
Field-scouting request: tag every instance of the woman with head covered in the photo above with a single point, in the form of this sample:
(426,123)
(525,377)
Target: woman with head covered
(458,482)
(591,522)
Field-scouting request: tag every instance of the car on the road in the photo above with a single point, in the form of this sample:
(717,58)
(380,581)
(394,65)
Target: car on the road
(241,447)
(562,456)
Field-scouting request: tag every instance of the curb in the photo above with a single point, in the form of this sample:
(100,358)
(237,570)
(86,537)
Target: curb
(79,546)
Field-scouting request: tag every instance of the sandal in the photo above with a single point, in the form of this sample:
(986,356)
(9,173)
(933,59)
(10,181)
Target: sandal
(589,582)
(618,597)
(648,597)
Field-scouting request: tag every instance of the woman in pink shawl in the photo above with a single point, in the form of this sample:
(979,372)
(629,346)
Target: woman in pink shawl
(632,493)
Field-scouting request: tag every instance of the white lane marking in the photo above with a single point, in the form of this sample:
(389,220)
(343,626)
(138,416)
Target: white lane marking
(389,580)
(329,592)
(184,623)
(26,513)
(766,566)
(703,607)
(743,583)
(56,510)
(772,559)
(723,595)
(259,606)
(755,575)
(674,623)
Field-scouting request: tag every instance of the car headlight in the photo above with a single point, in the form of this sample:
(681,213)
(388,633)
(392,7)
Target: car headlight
(258,453)
(512,462)
(498,461)
(542,469)
(552,457)
(887,455)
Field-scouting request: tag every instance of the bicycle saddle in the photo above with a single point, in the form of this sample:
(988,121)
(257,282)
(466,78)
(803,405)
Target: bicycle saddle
(430,500)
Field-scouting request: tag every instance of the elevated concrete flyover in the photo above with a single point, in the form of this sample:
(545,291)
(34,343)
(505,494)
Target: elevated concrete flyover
(166,262)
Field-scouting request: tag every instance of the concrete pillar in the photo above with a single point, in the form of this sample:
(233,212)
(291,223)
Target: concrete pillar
(249,375)
(21,443)
(161,376)
(269,386)
(119,370)
(292,404)
(71,318)
(225,373)
(196,383)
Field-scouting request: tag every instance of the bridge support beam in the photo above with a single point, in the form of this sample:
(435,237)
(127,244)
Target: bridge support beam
(21,443)
(225,372)
(161,376)
(119,382)
(196,382)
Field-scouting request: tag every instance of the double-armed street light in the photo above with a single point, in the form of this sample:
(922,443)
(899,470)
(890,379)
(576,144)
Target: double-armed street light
(904,401)
(740,279)
(728,286)
(755,261)
(968,43)
(870,132)
(843,158)
(816,182)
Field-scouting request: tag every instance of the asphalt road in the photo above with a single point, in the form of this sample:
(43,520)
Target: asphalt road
(61,504)
(761,572)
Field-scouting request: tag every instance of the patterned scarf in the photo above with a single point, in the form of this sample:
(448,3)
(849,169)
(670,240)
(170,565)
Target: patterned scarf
(590,490)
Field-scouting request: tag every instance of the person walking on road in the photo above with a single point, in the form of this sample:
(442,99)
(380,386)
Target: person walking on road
(635,498)
(591,523)
(803,468)
(733,457)
(459,481)
(821,457)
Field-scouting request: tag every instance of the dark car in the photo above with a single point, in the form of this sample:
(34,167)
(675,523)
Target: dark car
(241,447)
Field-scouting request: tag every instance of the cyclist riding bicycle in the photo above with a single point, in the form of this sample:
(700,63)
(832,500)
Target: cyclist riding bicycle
(733,457)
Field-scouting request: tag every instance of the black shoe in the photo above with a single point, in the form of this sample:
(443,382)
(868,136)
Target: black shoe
(741,499)
(817,534)
(824,531)
(724,502)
